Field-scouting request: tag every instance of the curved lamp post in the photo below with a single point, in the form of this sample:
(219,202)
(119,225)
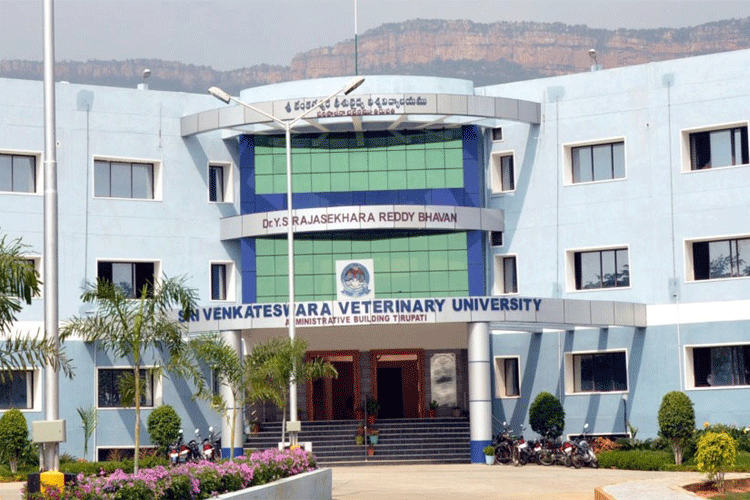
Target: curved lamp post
(287,125)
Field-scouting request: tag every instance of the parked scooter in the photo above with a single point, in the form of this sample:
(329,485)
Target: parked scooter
(584,454)
(174,450)
(211,446)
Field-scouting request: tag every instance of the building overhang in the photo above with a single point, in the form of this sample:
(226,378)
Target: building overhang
(365,112)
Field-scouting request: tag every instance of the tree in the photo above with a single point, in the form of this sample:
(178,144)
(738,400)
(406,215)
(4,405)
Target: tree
(19,282)
(676,421)
(717,452)
(546,415)
(163,426)
(14,435)
(89,417)
(274,364)
(133,328)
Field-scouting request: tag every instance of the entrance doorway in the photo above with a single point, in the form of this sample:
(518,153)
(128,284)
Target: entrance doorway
(334,399)
(398,382)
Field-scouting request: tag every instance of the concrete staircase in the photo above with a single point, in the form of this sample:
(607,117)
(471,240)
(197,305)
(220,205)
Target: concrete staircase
(434,440)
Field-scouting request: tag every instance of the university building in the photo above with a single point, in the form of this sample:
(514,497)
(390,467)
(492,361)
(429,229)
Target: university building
(586,235)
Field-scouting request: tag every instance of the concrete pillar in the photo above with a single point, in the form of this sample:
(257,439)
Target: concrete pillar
(233,338)
(480,393)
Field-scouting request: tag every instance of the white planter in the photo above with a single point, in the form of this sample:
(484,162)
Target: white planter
(316,485)
(489,459)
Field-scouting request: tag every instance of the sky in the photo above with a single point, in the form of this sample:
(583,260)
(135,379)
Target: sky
(231,34)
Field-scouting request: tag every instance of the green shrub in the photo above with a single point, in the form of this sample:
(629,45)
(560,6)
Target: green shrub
(676,421)
(164,426)
(635,459)
(716,453)
(489,450)
(14,436)
(546,415)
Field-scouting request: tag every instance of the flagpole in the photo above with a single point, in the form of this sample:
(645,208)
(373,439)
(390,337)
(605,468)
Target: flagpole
(356,62)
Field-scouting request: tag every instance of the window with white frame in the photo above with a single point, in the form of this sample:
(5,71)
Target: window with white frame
(132,277)
(716,147)
(596,372)
(112,383)
(19,173)
(718,366)
(506,280)
(126,179)
(719,259)
(17,390)
(503,176)
(506,377)
(222,281)
(596,162)
(596,269)
(219,182)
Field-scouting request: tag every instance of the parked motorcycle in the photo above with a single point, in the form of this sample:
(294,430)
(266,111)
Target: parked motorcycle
(174,450)
(211,446)
(503,444)
(585,455)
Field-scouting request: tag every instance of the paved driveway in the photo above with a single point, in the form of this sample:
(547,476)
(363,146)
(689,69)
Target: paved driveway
(476,482)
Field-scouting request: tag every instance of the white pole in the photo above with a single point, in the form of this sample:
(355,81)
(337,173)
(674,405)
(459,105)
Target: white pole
(356,44)
(290,257)
(51,450)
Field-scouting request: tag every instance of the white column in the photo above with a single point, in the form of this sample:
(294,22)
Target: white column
(228,441)
(480,393)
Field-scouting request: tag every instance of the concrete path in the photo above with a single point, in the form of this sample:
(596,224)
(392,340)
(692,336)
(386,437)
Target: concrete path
(10,491)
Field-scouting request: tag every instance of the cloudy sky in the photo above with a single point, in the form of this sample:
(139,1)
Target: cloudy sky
(229,34)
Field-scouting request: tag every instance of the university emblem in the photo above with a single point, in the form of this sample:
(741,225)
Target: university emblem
(356,280)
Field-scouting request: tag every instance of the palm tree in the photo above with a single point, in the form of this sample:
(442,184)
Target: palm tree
(132,328)
(19,282)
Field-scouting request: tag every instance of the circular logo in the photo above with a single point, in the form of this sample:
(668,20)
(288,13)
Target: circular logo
(356,280)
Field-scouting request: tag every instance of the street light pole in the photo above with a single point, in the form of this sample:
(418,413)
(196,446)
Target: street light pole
(288,125)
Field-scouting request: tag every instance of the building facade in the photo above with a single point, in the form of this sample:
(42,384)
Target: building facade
(584,235)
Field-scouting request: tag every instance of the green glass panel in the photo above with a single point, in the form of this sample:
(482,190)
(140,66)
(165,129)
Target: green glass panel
(301,163)
(454,158)
(454,178)
(438,260)
(416,179)
(321,162)
(279,183)
(456,241)
(400,245)
(438,242)
(303,264)
(340,182)
(324,286)
(264,247)
(382,284)
(342,246)
(397,179)
(400,262)
(361,255)
(400,283)
(263,184)
(457,260)
(303,246)
(361,246)
(415,159)
(458,282)
(358,161)
(419,262)
(263,165)
(279,164)
(282,286)
(340,161)
(321,183)
(261,150)
(280,246)
(439,283)
(435,159)
(323,264)
(302,183)
(378,160)
(434,139)
(358,181)
(378,181)
(322,246)
(266,265)
(418,243)
(419,282)
(303,285)
(382,262)
(266,285)
(281,265)
(435,179)
(397,159)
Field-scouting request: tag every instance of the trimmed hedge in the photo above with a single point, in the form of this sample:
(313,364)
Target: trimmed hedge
(659,460)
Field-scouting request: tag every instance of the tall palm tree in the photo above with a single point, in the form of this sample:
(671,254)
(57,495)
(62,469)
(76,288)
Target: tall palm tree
(134,328)
(19,283)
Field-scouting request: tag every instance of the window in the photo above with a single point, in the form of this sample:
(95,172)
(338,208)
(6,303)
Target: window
(601,269)
(720,259)
(110,382)
(17,390)
(597,162)
(496,238)
(497,134)
(219,182)
(18,173)
(506,378)
(718,366)
(132,277)
(503,173)
(505,274)
(124,179)
(718,148)
(218,282)
(596,372)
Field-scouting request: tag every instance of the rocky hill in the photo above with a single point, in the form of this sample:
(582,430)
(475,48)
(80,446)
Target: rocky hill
(486,53)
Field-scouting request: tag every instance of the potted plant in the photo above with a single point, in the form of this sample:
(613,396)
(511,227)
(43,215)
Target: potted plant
(373,433)
(489,454)
(433,409)
(359,435)
(370,450)
(254,427)
(373,407)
